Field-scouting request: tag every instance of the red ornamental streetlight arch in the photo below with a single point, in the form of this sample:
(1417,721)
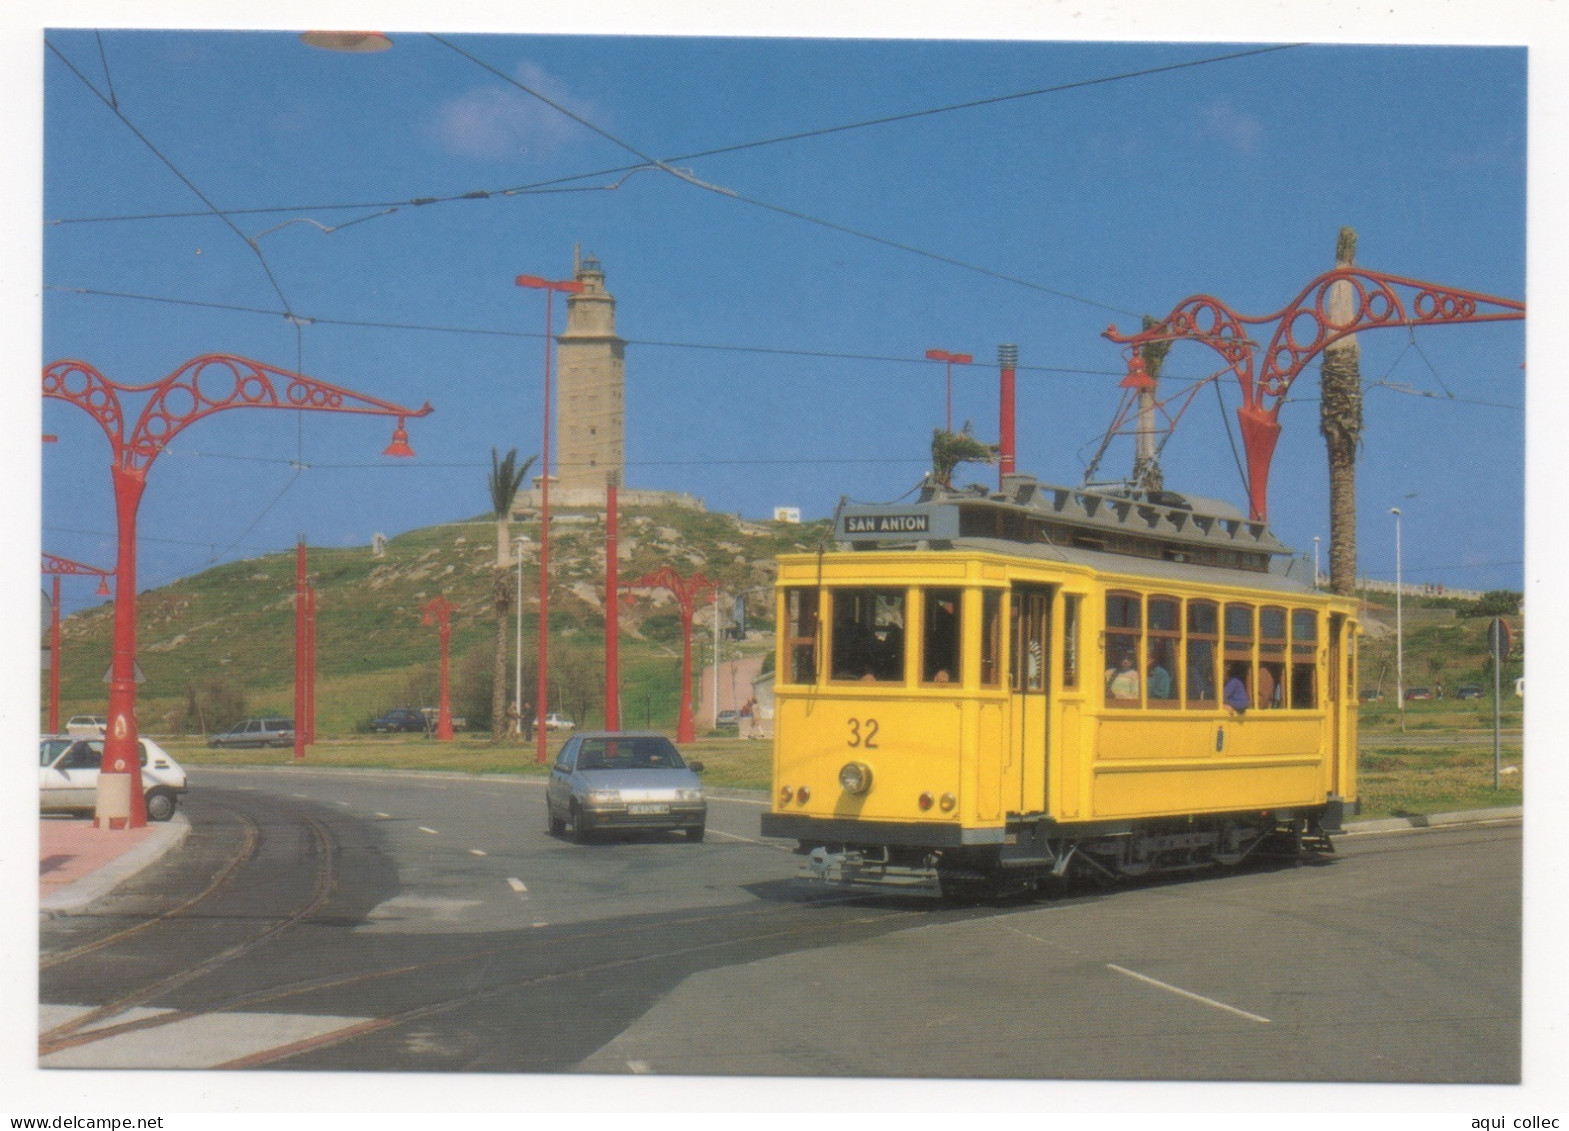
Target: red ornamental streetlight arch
(201,387)
(56,567)
(1302,330)
(686,590)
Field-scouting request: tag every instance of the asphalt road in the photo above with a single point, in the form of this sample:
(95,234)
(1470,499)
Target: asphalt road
(319,919)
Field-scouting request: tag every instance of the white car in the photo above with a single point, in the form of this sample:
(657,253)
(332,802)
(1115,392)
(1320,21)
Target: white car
(558,722)
(86,726)
(68,776)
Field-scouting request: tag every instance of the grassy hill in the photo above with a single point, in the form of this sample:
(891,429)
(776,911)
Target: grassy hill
(220,645)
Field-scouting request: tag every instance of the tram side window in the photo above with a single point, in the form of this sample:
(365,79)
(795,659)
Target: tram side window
(801,614)
(1203,651)
(1304,658)
(867,640)
(940,636)
(1070,641)
(991,638)
(1123,624)
(1271,657)
(1239,647)
(1165,636)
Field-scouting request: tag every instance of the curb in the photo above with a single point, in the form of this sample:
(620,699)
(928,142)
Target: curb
(1434,820)
(74,896)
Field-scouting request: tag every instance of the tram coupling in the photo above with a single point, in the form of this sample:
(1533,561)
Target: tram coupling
(857,868)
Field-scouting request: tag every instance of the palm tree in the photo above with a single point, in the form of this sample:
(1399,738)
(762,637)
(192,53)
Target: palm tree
(950,449)
(1340,420)
(505,478)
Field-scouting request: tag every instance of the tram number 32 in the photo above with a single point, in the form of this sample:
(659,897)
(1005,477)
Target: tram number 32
(863,734)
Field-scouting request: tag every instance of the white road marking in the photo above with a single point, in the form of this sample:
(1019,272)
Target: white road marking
(387,815)
(432,832)
(1188,994)
(517,885)
(478,852)
(640,1067)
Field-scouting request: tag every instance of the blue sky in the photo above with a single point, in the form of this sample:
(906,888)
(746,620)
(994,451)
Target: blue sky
(775,357)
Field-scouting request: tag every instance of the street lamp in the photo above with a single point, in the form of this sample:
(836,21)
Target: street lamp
(1400,636)
(571,287)
(950,360)
(686,590)
(517,675)
(55,567)
(202,386)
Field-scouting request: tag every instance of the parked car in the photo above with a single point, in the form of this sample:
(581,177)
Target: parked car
(399,719)
(558,722)
(86,726)
(624,780)
(1371,695)
(728,719)
(68,776)
(1413,694)
(1469,691)
(255,732)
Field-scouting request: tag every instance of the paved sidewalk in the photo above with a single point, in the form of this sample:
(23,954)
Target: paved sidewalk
(78,863)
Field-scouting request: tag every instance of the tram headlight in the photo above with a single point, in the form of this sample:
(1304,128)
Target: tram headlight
(785,794)
(856,777)
(948,801)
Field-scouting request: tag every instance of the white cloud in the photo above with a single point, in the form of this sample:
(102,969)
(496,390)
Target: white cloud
(495,121)
(1242,132)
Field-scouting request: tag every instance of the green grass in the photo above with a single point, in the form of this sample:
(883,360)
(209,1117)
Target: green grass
(1418,781)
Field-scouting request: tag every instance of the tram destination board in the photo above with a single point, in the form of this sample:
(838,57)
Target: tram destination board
(905,522)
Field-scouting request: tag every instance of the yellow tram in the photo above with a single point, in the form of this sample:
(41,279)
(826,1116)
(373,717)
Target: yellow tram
(983,690)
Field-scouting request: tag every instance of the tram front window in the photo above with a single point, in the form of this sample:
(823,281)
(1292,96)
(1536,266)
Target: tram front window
(868,635)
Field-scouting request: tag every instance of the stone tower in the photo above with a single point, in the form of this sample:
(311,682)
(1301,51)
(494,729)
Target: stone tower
(591,378)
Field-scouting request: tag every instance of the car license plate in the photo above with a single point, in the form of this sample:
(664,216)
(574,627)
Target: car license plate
(648,810)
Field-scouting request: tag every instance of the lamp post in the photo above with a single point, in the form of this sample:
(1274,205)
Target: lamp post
(517,673)
(550,287)
(612,606)
(950,360)
(1400,635)
(56,567)
(438,611)
(202,386)
(686,590)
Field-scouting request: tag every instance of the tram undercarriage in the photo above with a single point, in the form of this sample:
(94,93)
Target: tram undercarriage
(1037,855)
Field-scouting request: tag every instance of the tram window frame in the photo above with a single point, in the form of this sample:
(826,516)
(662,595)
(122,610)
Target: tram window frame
(1163,643)
(1238,649)
(856,651)
(991,638)
(803,604)
(942,639)
(1202,652)
(1070,640)
(1304,659)
(1272,623)
(1124,634)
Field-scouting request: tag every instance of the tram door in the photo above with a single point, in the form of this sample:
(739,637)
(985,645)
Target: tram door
(1029,678)
(1334,702)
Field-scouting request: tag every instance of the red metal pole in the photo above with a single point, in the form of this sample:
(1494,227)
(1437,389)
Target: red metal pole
(686,731)
(301,717)
(542,685)
(120,769)
(1007,359)
(54,656)
(612,610)
(310,670)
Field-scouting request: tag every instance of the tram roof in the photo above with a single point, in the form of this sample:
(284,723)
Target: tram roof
(1158,534)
